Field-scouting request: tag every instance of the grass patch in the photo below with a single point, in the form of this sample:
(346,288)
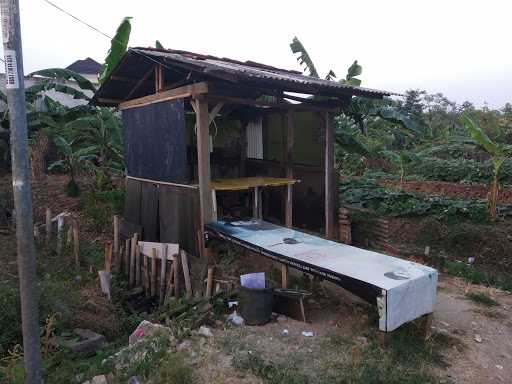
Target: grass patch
(173,369)
(407,359)
(476,276)
(270,372)
(482,298)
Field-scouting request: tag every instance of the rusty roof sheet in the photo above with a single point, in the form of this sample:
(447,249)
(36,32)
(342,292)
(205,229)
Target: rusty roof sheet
(249,73)
(254,70)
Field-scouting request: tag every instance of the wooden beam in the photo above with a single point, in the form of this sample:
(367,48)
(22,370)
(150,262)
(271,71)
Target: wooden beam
(172,94)
(122,78)
(329,177)
(215,111)
(139,83)
(265,104)
(203,160)
(290,139)
(109,101)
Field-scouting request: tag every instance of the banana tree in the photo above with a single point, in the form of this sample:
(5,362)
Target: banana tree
(499,153)
(359,109)
(73,161)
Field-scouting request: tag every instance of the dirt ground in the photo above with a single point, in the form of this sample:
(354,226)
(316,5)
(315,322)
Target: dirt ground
(488,361)
(444,188)
(468,361)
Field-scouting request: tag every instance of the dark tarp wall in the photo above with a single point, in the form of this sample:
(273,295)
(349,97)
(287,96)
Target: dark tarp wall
(179,216)
(132,201)
(165,213)
(149,211)
(155,142)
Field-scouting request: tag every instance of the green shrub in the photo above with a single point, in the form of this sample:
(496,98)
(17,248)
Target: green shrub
(101,206)
(433,168)
(367,194)
(10,317)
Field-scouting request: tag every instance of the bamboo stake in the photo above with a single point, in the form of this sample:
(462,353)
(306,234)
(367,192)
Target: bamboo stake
(153,271)
(163,258)
(76,243)
(121,259)
(60,229)
(116,235)
(133,251)
(127,257)
(176,262)
(209,282)
(137,267)
(186,273)
(48,224)
(108,256)
(145,274)
(170,284)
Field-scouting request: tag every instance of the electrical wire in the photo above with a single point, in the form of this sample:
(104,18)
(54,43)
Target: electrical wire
(102,33)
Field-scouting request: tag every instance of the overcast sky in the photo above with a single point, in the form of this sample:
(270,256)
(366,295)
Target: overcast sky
(462,48)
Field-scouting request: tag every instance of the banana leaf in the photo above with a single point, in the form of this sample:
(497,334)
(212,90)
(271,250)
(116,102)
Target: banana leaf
(481,137)
(61,88)
(303,58)
(65,74)
(350,143)
(118,47)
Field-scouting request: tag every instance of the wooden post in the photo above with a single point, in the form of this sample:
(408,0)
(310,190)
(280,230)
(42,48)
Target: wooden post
(48,224)
(76,242)
(137,267)
(116,236)
(256,203)
(108,256)
(329,179)
(60,230)
(127,257)
(153,271)
(121,259)
(145,271)
(176,262)
(186,273)
(203,160)
(209,282)
(284,276)
(159,78)
(170,283)
(163,272)
(290,139)
(133,252)
(427,326)
(214,205)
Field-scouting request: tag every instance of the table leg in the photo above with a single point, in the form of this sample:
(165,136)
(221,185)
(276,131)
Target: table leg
(256,203)
(214,205)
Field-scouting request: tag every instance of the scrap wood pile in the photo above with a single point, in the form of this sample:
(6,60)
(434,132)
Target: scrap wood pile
(159,277)
(185,314)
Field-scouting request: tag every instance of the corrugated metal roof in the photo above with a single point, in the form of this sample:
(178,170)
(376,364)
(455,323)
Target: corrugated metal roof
(256,71)
(137,61)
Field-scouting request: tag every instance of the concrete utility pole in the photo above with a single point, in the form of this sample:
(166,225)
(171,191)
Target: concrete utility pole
(15,87)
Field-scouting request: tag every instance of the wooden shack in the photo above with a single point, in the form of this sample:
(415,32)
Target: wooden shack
(207,137)
(210,141)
